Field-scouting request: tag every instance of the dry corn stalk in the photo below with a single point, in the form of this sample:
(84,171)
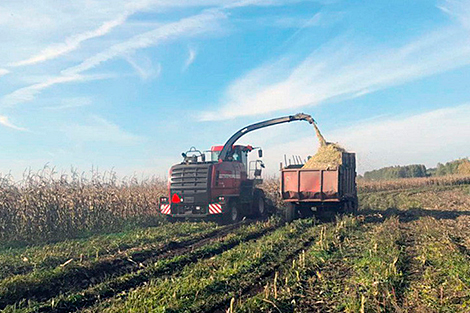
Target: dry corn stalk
(47,206)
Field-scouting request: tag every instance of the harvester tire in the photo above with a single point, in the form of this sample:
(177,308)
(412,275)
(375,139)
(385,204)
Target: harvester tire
(259,203)
(233,214)
(291,212)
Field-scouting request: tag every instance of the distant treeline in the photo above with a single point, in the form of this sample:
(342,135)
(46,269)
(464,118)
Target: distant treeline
(460,167)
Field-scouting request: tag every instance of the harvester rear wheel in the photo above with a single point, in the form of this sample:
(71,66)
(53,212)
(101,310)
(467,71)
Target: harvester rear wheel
(233,213)
(170,219)
(259,204)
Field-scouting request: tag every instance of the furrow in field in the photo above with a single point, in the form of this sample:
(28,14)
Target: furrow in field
(23,260)
(376,282)
(173,263)
(410,266)
(444,281)
(251,283)
(203,286)
(43,285)
(312,280)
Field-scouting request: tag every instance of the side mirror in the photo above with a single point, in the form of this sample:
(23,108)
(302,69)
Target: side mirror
(184,155)
(260,153)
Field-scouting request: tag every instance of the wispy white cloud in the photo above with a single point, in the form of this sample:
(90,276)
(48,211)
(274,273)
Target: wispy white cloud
(427,138)
(6,122)
(191,57)
(190,26)
(144,67)
(340,70)
(28,93)
(71,43)
(201,23)
(99,129)
(3,71)
(71,103)
(244,3)
(430,137)
(458,9)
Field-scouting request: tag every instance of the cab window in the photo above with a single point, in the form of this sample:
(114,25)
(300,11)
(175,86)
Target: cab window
(240,156)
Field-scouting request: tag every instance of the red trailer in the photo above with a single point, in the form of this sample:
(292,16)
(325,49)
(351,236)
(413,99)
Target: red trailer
(308,190)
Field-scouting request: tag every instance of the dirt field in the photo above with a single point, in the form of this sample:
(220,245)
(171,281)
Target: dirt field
(408,250)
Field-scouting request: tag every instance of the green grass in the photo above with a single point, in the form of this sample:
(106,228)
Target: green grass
(161,267)
(301,283)
(422,197)
(211,283)
(49,257)
(377,280)
(444,285)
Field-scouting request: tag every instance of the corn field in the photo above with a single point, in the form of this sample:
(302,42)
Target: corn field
(407,250)
(406,183)
(47,206)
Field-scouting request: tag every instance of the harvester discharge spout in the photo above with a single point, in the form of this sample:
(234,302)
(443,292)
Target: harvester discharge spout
(226,150)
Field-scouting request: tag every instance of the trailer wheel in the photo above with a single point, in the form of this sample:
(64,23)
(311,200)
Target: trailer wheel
(350,207)
(291,212)
(259,204)
(354,206)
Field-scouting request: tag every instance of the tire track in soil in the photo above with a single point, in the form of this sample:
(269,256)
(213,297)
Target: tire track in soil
(110,254)
(88,298)
(411,268)
(255,287)
(252,287)
(85,276)
(334,272)
(337,272)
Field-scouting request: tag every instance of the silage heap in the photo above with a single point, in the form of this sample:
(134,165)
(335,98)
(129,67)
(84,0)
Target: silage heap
(328,157)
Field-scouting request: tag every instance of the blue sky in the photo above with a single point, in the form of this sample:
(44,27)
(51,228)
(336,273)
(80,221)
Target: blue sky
(130,85)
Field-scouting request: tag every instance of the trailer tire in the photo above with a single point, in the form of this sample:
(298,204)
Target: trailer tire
(259,203)
(354,206)
(291,212)
(350,207)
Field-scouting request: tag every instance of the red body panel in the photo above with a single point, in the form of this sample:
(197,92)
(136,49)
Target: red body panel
(227,178)
(311,185)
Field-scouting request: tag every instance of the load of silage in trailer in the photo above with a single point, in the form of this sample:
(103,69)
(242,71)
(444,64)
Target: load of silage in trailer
(329,155)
